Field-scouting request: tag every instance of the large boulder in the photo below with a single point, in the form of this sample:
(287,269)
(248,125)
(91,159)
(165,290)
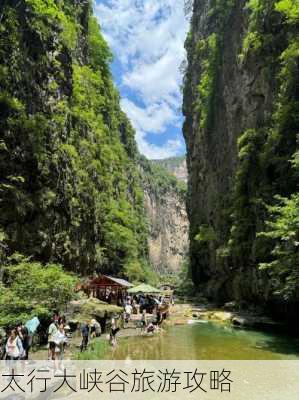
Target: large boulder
(240,322)
(86,309)
(222,316)
(254,321)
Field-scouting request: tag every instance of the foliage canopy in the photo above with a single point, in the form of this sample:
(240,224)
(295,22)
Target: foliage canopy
(31,289)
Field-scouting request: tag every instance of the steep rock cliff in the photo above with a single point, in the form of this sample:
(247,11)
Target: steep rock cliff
(177,166)
(70,188)
(241,108)
(165,206)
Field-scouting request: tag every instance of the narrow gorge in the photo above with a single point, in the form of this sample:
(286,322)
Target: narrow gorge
(77,195)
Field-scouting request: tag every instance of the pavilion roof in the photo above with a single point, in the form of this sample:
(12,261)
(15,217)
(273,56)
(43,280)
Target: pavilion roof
(106,280)
(121,282)
(144,288)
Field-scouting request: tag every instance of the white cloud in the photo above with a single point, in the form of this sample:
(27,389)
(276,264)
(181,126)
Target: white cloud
(147,38)
(159,80)
(154,152)
(153,119)
(170,149)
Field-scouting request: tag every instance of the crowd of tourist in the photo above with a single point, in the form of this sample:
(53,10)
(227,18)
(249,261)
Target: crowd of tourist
(149,311)
(144,306)
(16,343)
(149,314)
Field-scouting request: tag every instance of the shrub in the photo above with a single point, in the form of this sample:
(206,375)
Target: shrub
(31,289)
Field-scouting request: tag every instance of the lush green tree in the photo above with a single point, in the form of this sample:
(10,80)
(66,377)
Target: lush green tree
(139,271)
(159,179)
(31,289)
(283,231)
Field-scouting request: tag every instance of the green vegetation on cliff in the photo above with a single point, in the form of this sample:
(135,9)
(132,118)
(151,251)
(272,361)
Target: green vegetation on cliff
(170,163)
(159,179)
(165,202)
(69,188)
(249,228)
(266,171)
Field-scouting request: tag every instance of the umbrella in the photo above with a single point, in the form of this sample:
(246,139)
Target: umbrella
(32,325)
(143,288)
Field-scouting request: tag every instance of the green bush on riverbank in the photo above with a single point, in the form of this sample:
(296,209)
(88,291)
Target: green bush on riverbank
(31,289)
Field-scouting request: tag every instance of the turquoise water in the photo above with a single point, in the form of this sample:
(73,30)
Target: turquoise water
(206,341)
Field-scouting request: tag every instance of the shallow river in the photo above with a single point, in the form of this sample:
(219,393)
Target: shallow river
(207,341)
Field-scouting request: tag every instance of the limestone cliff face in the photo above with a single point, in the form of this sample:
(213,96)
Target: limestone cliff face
(69,185)
(168,240)
(166,211)
(231,88)
(177,166)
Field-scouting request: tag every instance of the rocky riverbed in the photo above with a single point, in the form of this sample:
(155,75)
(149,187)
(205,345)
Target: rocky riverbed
(182,313)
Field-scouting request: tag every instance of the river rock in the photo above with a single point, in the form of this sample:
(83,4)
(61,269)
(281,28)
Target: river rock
(239,321)
(223,316)
(254,321)
(230,306)
(180,322)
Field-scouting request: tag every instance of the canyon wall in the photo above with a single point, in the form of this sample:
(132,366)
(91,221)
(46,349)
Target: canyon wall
(165,208)
(241,109)
(70,190)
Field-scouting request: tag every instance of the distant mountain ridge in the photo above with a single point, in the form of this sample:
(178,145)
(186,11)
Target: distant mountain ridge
(175,165)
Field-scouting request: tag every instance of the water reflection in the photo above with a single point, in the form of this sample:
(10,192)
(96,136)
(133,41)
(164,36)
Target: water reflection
(207,342)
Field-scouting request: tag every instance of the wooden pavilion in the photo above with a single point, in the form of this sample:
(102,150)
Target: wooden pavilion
(109,289)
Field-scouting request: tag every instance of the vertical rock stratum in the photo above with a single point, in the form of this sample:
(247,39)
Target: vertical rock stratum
(241,107)
(70,188)
(165,206)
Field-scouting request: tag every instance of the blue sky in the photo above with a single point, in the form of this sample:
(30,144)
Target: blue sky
(147,40)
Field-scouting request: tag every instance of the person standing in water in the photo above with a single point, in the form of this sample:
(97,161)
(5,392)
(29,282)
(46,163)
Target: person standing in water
(143,321)
(113,331)
(128,312)
(85,336)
